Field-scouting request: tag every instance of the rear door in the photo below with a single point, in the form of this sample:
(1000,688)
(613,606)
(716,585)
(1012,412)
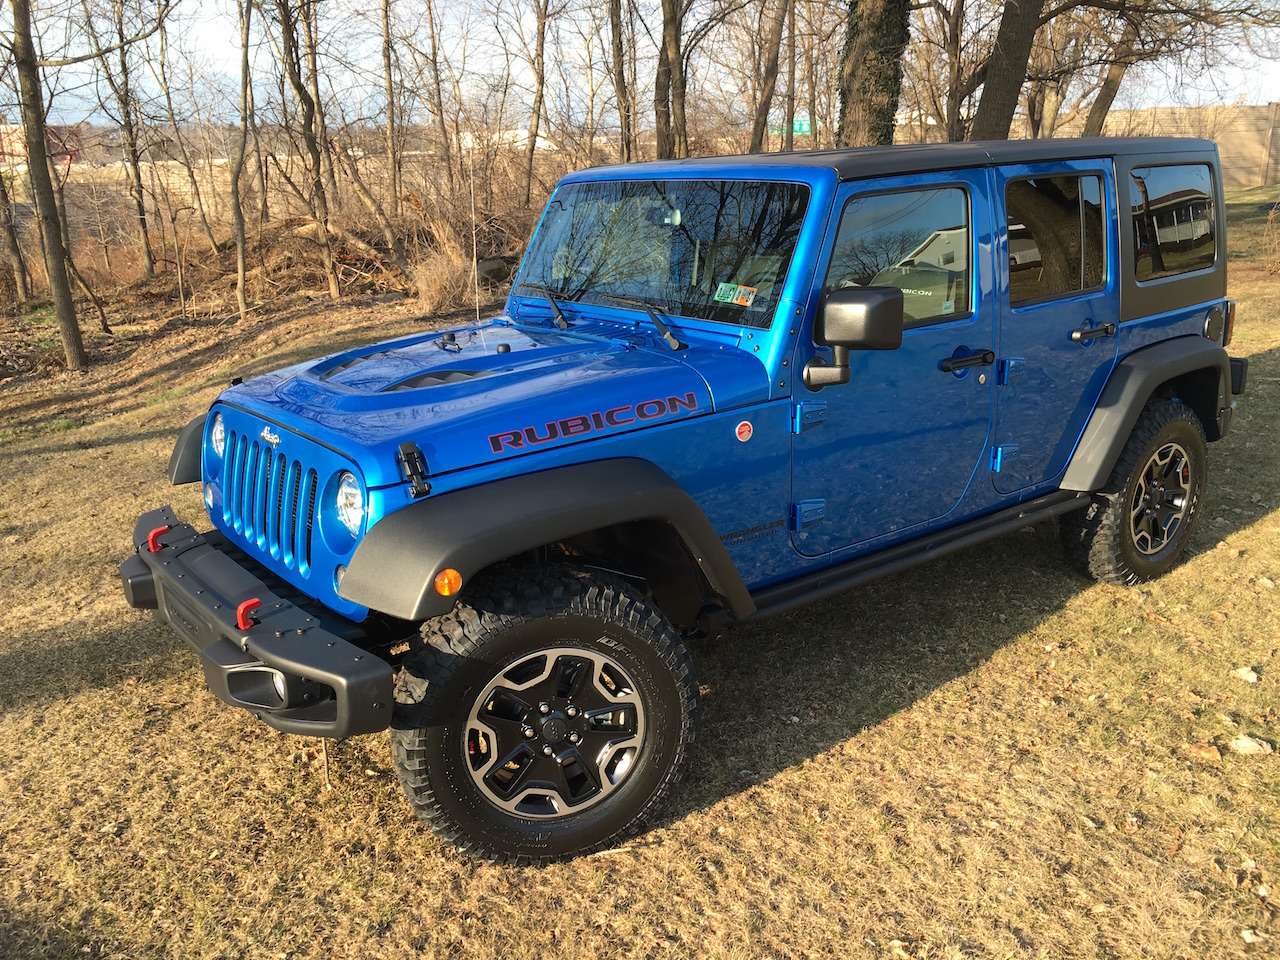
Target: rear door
(898,445)
(1058,309)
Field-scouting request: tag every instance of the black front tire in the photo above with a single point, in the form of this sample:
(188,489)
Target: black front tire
(1139,524)
(546,716)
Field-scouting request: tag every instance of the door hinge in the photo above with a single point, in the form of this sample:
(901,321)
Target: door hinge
(414,469)
(999,455)
(805,513)
(1014,368)
(808,413)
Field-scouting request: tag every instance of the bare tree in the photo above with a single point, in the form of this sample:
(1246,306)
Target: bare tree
(12,249)
(55,254)
(290,51)
(245,8)
(621,89)
(772,22)
(117,68)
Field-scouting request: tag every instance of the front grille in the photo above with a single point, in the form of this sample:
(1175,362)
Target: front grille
(270,501)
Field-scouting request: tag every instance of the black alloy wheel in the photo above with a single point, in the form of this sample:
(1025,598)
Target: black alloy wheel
(546,716)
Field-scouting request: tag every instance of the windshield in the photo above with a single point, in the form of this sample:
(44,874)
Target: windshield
(712,250)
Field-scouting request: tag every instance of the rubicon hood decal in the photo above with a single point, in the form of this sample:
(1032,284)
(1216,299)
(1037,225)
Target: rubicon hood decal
(597,420)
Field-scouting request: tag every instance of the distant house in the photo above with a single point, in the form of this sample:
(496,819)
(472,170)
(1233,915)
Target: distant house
(64,143)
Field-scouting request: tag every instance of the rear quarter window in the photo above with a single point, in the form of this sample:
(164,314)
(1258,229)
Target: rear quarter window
(1174,220)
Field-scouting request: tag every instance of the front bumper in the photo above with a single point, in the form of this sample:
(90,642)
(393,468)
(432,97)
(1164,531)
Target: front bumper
(296,670)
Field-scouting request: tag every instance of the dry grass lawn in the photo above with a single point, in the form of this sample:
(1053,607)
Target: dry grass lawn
(986,757)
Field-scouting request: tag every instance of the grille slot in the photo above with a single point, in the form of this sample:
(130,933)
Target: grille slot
(270,501)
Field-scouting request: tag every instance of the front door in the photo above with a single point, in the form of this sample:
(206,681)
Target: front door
(898,445)
(1059,308)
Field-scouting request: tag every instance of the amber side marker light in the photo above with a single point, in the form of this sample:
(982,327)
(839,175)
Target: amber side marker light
(448,582)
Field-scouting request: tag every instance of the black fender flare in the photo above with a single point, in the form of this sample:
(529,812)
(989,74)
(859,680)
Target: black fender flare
(184,462)
(1201,374)
(394,567)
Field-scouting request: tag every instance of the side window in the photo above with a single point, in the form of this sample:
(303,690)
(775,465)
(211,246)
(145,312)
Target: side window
(1057,237)
(918,241)
(1173,220)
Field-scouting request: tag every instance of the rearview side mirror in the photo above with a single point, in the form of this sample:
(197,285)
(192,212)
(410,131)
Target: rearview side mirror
(860,318)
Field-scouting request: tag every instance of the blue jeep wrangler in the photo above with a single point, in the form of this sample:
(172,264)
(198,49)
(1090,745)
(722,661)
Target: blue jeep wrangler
(719,389)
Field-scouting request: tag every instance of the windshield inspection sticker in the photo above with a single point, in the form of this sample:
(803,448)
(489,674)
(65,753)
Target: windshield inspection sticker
(737,295)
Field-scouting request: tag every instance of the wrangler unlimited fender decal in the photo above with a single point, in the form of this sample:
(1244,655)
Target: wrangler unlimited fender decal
(395,564)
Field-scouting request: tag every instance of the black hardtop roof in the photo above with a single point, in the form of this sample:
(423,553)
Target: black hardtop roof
(857,162)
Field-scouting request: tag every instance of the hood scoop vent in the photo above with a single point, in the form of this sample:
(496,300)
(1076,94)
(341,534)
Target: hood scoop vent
(353,362)
(436,378)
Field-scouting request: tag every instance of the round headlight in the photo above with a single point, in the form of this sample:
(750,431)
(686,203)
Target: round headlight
(218,435)
(350,503)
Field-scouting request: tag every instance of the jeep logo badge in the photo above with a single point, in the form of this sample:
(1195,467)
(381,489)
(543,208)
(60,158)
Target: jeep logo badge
(269,437)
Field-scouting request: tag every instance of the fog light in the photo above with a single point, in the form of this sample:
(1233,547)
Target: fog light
(339,572)
(277,681)
(208,495)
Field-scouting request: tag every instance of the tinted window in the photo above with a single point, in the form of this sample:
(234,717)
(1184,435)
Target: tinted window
(917,241)
(715,250)
(1173,220)
(1057,241)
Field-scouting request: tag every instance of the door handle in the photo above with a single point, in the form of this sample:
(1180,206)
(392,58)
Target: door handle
(983,358)
(1093,333)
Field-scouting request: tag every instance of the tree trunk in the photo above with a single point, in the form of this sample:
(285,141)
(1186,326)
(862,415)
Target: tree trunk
(13,251)
(292,63)
(1121,59)
(187,162)
(388,83)
(772,42)
(541,10)
(237,165)
(1006,70)
(672,57)
(662,107)
(55,252)
(437,92)
(876,36)
(672,32)
(618,72)
(309,18)
(393,241)
(126,101)
(789,121)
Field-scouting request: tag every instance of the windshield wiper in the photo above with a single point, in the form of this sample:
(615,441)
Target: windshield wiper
(663,329)
(561,322)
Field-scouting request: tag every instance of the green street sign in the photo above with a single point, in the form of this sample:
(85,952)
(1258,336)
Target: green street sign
(801,126)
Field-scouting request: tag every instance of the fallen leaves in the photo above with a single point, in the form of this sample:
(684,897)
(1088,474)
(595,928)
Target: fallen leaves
(1248,746)
(1204,752)
(1247,674)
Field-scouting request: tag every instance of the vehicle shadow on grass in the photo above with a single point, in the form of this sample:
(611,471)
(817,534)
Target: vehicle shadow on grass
(23,937)
(787,689)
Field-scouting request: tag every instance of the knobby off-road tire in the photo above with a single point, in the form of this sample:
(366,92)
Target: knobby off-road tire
(546,716)
(1138,525)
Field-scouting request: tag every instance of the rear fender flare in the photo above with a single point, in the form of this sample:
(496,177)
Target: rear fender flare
(394,567)
(1196,370)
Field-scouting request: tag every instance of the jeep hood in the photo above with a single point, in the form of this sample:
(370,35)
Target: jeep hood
(481,394)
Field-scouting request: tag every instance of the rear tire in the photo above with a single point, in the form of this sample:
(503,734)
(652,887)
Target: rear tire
(1138,525)
(546,716)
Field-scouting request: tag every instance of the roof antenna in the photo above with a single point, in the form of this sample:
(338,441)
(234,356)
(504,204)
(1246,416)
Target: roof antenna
(475,251)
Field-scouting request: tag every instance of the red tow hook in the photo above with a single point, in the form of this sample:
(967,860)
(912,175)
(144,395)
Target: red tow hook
(153,538)
(243,620)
